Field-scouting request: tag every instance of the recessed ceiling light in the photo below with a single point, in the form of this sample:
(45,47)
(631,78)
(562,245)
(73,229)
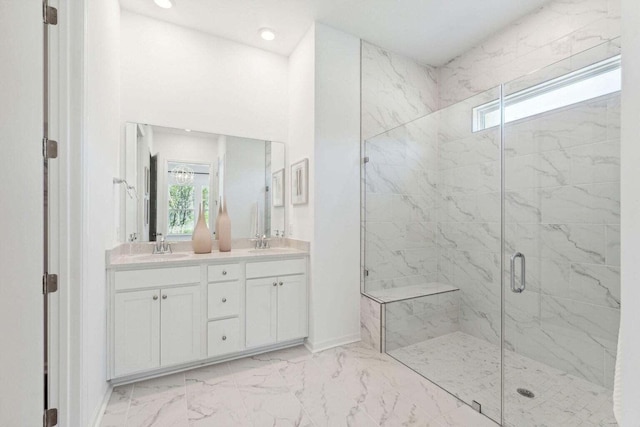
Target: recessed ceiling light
(267,34)
(188,130)
(165,4)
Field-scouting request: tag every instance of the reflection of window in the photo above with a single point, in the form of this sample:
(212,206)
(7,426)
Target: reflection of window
(185,197)
(181,209)
(586,83)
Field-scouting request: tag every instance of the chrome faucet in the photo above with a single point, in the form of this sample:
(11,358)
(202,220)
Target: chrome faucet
(161,246)
(261,241)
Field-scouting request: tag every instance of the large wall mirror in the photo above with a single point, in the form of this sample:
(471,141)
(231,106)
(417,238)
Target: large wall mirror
(172,172)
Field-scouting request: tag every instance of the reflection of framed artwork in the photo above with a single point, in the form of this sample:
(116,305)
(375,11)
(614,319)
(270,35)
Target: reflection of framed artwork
(277,182)
(300,182)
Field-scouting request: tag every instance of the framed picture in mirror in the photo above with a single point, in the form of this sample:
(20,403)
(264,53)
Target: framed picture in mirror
(277,182)
(300,182)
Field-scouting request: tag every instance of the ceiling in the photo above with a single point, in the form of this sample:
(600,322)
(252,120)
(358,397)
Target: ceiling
(430,31)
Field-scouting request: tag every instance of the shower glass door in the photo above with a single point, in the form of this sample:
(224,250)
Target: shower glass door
(561,226)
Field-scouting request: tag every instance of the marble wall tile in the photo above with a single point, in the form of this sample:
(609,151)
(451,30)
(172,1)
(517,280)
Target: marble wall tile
(521,206)
(480,147)
(478,178)
(484,237)
(542,38)
(595,163)
(595,284)
(580,124)
(573,242)
(575,316)
(396,90)
(370,322)
(589,204)
(612,242)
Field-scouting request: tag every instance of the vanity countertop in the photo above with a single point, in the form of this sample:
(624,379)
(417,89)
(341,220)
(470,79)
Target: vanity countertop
(184,258)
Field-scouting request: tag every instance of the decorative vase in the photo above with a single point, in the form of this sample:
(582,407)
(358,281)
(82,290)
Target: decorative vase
(224,228)
(217,224)
(201,239)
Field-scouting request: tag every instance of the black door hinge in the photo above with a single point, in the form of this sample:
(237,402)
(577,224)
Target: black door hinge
(49,14)
(49,283)
(49,148)
(50,417)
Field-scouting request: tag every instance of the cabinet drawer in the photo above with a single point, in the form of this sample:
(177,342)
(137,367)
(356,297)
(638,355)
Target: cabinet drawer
(156,277)
(223,299)
(276,268)
(223,337)
(221,273)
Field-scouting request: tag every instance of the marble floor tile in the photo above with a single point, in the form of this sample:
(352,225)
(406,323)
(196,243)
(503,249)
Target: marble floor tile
(470,369)
(351,385)
(354,385)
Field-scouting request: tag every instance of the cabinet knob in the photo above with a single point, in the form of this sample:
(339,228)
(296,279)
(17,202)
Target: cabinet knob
(280,283)
(155,297)
(224,300)
(224,338)
(164,297)
(275,283)
(224,272)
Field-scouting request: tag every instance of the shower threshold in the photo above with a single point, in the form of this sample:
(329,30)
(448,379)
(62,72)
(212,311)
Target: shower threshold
(469,368)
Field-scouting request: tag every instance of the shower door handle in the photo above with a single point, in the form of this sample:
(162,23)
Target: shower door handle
(523,269)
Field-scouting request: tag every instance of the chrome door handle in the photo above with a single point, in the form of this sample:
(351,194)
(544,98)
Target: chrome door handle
(523,269)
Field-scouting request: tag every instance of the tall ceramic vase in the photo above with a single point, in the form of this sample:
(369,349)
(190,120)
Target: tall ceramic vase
(224,228)
(217,223)
(201,238)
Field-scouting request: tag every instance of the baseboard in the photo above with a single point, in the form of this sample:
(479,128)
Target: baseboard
(336,342)
(97,418)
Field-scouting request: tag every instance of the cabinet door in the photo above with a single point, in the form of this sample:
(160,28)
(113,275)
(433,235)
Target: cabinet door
(261,311)
(137,331)
(180,325)
(292,307)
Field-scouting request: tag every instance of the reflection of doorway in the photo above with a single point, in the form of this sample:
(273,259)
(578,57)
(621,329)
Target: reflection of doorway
(153,198)
(188,185)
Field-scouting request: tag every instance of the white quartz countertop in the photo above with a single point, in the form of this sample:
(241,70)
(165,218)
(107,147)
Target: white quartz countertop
(185,258)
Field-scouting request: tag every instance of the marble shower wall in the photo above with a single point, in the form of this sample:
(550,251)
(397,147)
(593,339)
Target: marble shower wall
(562,198)
(468,216)
(563,212)
(398,194)
(395,90)
(553,33)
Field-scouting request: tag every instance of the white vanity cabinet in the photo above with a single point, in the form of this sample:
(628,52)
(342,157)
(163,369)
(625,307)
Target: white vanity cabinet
(156,319)
(163,318)
(276,302)
(223,309)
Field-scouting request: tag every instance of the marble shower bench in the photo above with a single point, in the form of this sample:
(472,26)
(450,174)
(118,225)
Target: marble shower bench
(397,317)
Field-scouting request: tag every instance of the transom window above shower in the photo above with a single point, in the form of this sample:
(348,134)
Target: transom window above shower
(590,82)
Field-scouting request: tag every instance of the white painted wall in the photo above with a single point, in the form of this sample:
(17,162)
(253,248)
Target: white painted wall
(630,207)
(335,288)
(101,198)
(301,132)
(177,77)
(21,369)
(324,126)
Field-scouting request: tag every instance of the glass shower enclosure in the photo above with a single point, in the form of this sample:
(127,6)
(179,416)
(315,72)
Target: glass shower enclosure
(491,237)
